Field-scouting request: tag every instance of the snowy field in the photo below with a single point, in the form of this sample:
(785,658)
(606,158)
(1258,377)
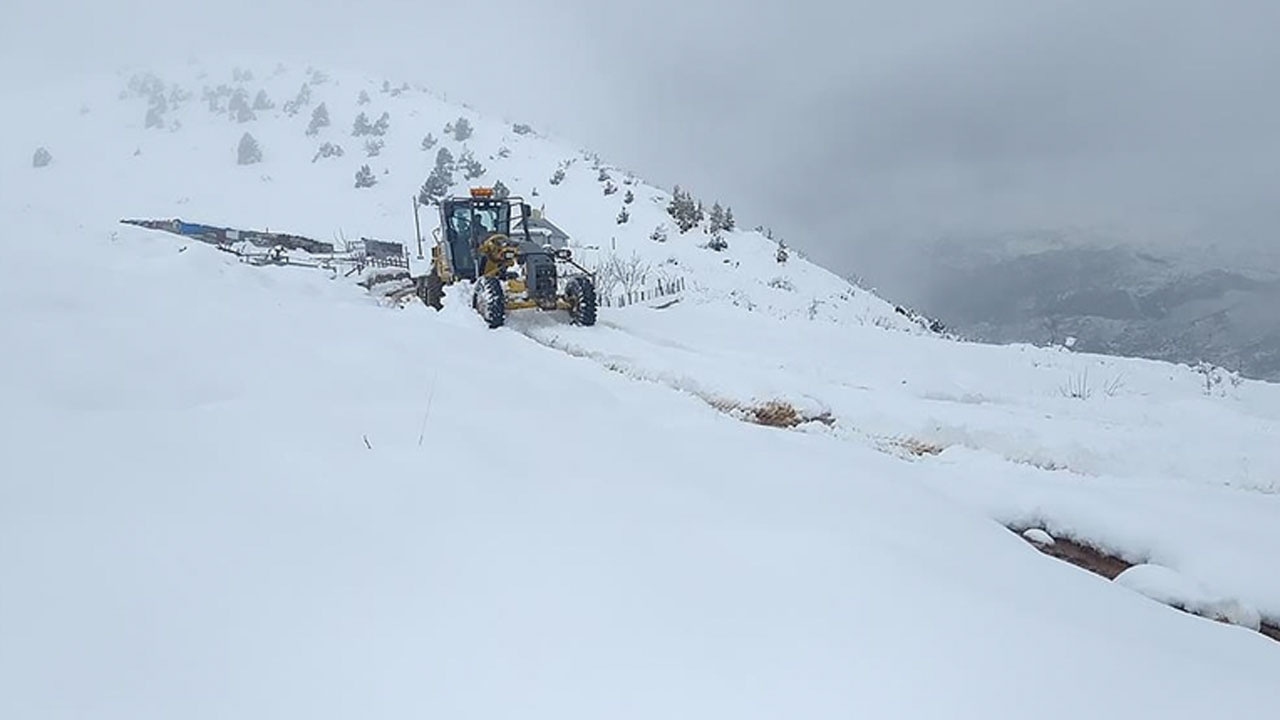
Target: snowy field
(243,492)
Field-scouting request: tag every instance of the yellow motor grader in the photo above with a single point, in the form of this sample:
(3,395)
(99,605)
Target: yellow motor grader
(486,239)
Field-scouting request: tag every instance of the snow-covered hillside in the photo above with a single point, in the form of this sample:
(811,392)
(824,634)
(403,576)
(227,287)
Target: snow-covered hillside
(235,491)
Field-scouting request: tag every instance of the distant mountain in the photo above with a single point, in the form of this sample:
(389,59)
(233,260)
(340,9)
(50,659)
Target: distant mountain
(1116,301)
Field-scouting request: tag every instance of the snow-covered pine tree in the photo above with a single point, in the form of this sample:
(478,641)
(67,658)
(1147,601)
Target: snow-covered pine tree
(436,187)
(500,190)
(361,126)
(557,177)
(629,198)
(659,233)
(729,224)
(363,99)
(239,107)
(382,125)
(365,177)
(716,217)
(444,161)
(461,129)
(471,168)
(319,119)
(428,142)
(41,158)
(248,152)
(303,99)
(673,207)
(261,102)
(610,188)
(623,215)
(373,147)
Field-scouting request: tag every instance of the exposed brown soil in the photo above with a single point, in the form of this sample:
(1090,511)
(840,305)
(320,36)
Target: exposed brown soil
(1108,566)
(776,413)
(917,447)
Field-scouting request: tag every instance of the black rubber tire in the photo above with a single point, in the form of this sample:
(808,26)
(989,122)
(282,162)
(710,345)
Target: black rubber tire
(490,301)
(581,294)
(431,290)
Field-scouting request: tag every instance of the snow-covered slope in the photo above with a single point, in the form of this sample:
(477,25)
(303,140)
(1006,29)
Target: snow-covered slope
(233,491)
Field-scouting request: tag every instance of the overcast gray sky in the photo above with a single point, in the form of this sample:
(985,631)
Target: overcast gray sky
(857,129)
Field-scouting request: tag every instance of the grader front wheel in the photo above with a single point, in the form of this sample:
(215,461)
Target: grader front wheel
(490,301)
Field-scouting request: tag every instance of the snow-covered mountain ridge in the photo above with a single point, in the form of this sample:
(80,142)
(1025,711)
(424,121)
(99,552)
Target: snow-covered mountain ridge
(257,491)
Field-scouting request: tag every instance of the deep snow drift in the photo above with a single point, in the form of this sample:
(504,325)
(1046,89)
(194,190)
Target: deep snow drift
(256,492)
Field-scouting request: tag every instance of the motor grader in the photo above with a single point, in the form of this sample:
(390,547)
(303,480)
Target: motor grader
(486,239)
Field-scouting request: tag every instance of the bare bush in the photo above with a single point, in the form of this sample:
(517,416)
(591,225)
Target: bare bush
(617,274)
(1077,386)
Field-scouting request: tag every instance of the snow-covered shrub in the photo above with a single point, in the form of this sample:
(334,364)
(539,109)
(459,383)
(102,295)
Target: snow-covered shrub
(428,142)
(328,150)
(1214,377)
(504,152)
(629,198)
(363,99)
(659,233)
(373,147)
(781,283)
(500,190)
(521,129)
(383,124)
(242,75)
(319,119)
(365,177)
(248,152)
(717,241)
(41,158)
(603,176)
(155,117)
(557,177)
(623,215)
